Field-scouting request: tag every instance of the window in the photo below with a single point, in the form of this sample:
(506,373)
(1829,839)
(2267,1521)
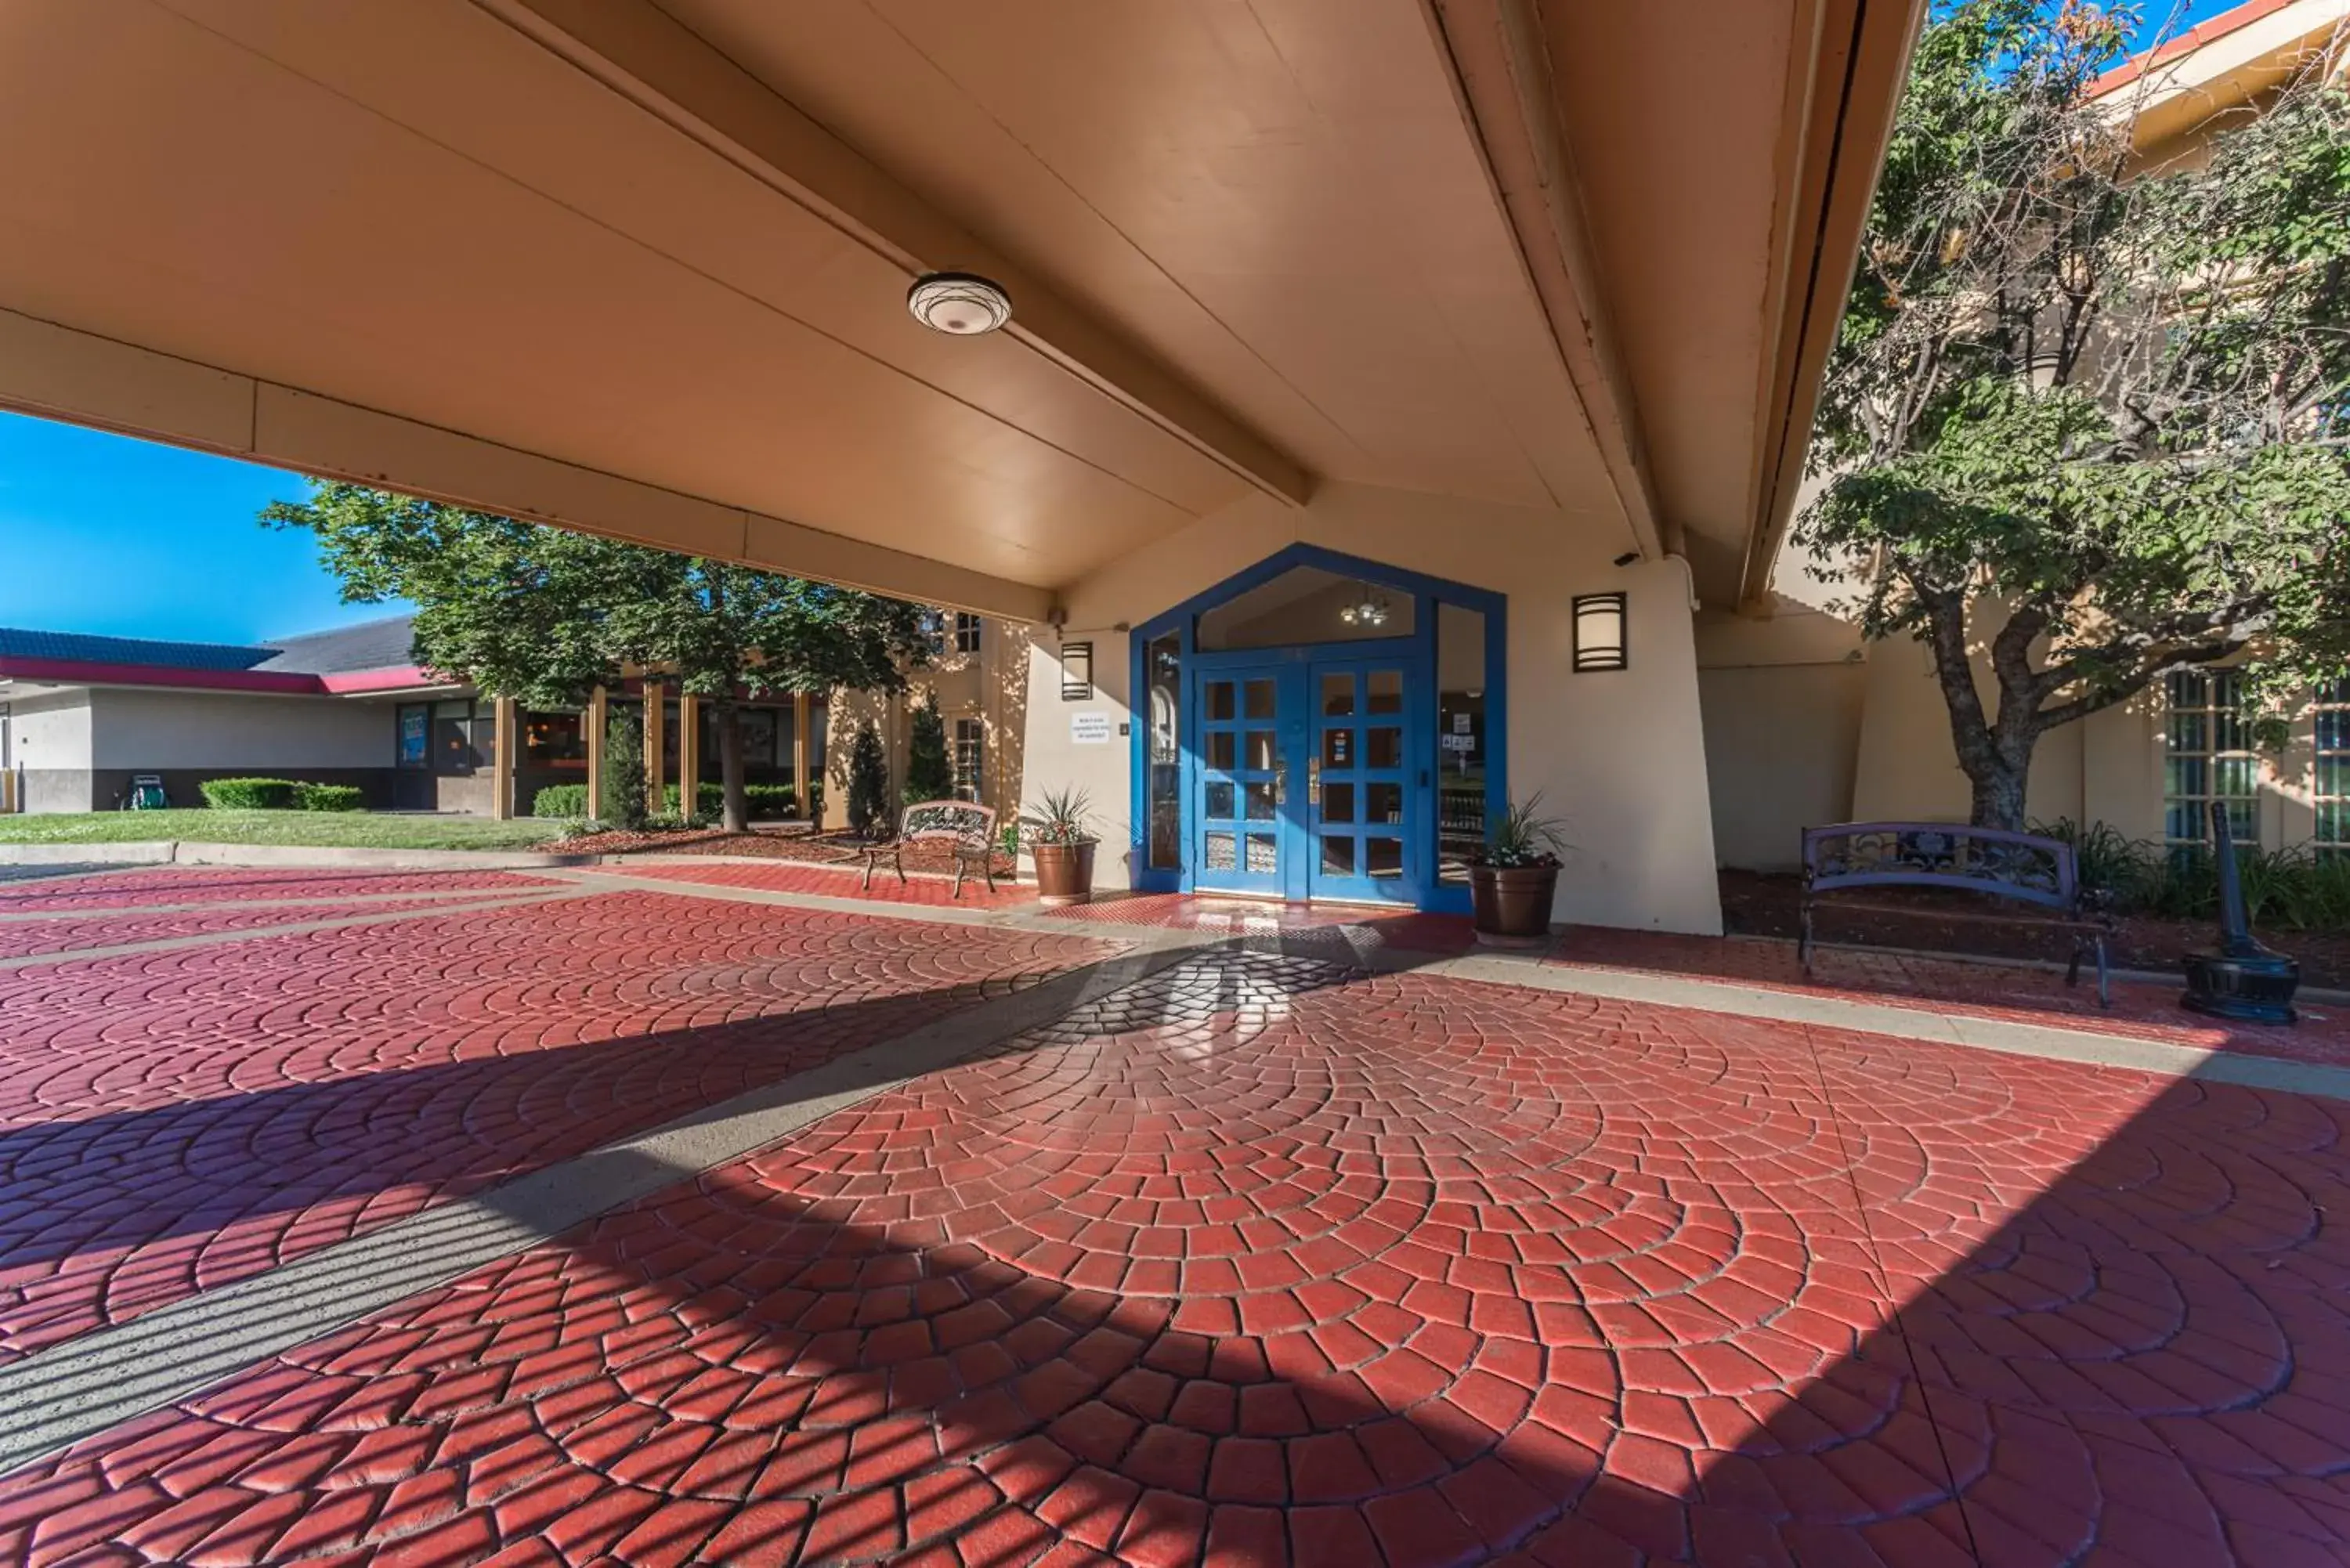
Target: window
(970,756)
(553,741)
(462,742)
(2333,791)
(1163,673)
(966,633)
(415,735)
(1308,605)
(2211,758)
(1460,736)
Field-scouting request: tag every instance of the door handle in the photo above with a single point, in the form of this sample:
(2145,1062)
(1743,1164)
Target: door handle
(1281,784)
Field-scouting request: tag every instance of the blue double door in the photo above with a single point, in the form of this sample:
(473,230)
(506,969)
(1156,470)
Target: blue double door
(1306,783)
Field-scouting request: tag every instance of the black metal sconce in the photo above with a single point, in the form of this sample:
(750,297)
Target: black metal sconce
(1076,672)
(1599,639)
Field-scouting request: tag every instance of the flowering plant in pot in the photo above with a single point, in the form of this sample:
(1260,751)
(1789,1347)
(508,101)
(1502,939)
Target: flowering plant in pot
(1513,877)
(1061,840)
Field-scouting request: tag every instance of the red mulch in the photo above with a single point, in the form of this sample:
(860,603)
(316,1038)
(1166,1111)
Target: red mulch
(821,848)
(1758,905)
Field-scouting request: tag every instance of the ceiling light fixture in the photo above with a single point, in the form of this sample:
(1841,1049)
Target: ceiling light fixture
(960,303)
(1368,610)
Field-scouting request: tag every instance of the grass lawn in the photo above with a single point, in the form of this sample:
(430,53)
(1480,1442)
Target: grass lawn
(313,829)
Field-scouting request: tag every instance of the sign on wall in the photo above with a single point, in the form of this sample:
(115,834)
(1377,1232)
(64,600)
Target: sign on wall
(1091,728)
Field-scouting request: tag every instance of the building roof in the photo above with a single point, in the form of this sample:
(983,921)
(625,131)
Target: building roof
(370,657)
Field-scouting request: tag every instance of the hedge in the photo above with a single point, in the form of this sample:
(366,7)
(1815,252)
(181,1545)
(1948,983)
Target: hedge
(329,797)
(766,802)
(249,795)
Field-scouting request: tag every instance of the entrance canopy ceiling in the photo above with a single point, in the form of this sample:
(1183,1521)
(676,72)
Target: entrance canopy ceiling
(640,267)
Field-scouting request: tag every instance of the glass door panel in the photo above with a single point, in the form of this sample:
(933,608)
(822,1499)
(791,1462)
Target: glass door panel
(1361,808)
(1237,848)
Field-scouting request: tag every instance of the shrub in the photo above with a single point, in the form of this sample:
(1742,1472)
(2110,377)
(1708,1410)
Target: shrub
(868,781)
(2297,889)
(768,802)
(249,795)
(329,797)
(709,799)
(624,774)
(566,801)
(930,776)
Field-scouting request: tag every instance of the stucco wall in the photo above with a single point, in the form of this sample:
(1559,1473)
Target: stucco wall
(48,745)
(1619,757)
(1781,697)
(154,730)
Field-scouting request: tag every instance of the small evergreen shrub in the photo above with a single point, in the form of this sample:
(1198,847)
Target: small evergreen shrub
(562,802)
(868,781)
(249,795)
(624,774)
(329,797)
(768,802)
(930,774)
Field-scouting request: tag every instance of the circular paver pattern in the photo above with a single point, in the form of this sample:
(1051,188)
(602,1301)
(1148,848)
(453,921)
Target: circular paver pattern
(1265,1261)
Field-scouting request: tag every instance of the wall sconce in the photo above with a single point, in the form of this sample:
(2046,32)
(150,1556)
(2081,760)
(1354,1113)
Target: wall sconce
(1599,641)
(1076,672)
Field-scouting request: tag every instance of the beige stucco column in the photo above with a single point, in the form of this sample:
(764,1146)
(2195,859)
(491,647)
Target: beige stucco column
(688,752)
(505,721)
(800,713)
(595,719)
(656,695)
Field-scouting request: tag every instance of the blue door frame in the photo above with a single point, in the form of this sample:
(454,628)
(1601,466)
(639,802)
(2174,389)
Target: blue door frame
(1304,865)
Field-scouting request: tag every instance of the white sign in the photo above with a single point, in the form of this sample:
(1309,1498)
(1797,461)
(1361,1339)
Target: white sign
(1459,743)
(1460,723)
(1090,729)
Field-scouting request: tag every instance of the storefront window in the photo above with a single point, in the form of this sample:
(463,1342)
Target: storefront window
(415,722)
(553,741)
(460,745)
(1163,669)
(1460,740)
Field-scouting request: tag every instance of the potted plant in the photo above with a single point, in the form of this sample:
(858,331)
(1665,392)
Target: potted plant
(1512,878)
(1062,846)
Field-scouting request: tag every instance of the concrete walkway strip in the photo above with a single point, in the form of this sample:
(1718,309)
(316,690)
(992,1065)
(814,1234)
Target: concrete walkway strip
(444,899)
(291,928)
(56,1398)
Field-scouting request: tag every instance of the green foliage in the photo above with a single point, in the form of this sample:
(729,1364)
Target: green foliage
(543,614)
(2112,401)
(929,773)
(329,797)
(249,795)
(1063,817)
(2299,889)
(560,803)
(868,781)
(624,774)
(1522,836)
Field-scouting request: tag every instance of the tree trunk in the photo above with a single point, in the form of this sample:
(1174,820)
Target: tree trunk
(1999,796)
(734,810)
(1995,754)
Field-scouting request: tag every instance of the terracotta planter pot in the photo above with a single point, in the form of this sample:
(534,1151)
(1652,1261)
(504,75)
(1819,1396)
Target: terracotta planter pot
(1512,903)
(1065,873)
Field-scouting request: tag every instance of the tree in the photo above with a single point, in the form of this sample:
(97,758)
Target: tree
(542,614)
(2092,412)
(929,774)
(868,781)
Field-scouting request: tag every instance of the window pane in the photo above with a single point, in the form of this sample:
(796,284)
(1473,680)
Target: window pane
(1220,745)
(1383,802)
(1263,857)
(1337,803)
(1383,747)
(1338,749)
(1383,856)
(1460,825)
(1222,852)
(1337,854)
(1164,662)
(1260,803)
(1306,605)
(1220,801)
(1337,696)
(1386,690)
(1220,704)
(1258,700)
(1260,751)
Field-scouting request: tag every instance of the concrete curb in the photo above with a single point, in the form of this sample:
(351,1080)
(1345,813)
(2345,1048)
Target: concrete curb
(186,852)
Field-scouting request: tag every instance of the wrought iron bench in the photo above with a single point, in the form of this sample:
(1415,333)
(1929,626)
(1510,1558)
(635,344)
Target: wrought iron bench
(2021,867)
(969,829)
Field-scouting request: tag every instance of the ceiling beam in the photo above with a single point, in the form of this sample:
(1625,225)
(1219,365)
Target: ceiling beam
(62,373)
(639,51)
(1500,68)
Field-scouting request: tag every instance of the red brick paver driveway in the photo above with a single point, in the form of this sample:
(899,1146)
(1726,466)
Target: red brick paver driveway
(1265,1261)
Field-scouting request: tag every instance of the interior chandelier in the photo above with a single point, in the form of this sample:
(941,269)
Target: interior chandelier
(1368,610)
(960,304)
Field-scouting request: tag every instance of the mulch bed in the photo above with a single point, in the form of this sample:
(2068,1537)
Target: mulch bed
(798,843)
(1758,905)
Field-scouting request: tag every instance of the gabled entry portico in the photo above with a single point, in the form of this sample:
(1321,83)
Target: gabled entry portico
(1320,726)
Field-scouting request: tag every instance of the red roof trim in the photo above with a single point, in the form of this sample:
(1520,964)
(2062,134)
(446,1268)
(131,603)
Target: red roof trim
(2187,43)
(274,682)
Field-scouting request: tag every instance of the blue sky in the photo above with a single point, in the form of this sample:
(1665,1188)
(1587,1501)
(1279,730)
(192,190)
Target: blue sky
(101,533)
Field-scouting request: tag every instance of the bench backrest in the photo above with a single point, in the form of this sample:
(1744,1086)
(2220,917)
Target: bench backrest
(2022,865)
(960,820)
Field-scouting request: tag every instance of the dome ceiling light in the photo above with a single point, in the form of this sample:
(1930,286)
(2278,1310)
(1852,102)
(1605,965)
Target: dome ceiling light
(960,303)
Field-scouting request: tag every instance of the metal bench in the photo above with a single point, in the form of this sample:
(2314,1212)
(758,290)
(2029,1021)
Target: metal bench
(2019,868)
(969,829)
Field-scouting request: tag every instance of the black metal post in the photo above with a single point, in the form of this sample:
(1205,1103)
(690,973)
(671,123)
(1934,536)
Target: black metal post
(2242,981)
